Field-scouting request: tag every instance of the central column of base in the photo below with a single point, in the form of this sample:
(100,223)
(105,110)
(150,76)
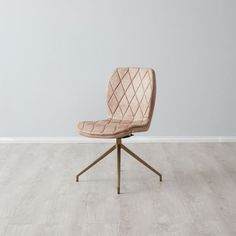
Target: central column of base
(118,148)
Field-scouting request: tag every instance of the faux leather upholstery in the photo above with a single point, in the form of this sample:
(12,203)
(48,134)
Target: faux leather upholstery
(130,101)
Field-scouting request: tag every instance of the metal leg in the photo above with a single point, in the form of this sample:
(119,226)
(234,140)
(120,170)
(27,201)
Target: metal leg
(141,161)
(96,161)
(118,148)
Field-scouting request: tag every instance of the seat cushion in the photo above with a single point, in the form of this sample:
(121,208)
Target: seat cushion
(111,128)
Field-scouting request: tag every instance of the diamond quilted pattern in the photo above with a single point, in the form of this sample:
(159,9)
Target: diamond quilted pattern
(130,100)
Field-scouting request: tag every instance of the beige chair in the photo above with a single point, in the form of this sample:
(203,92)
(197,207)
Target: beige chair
(130,101)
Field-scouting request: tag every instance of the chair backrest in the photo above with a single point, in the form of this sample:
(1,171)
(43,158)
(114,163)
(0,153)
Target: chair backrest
(131,94)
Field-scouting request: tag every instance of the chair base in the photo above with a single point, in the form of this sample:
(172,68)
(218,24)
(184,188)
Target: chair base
(118,146)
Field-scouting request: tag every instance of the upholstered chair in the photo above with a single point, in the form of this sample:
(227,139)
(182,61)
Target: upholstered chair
(130,101)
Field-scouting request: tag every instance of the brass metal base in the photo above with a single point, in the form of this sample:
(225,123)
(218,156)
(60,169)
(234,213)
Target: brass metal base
(118,146)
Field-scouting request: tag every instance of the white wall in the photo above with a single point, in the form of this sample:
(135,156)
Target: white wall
(56,57)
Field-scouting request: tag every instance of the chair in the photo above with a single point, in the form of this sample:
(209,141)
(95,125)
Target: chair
(130,101)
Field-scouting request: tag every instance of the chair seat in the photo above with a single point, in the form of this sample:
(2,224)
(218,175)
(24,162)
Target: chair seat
(111,128)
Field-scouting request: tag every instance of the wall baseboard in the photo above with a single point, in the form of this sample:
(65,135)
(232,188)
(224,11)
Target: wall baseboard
(135,139)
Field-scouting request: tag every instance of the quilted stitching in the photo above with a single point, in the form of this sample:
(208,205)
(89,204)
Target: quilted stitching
(130,101)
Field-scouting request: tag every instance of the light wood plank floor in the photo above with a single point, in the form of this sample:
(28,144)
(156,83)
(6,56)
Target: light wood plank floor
(39,195)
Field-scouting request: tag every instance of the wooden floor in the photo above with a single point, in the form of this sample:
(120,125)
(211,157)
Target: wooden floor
(39,195)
